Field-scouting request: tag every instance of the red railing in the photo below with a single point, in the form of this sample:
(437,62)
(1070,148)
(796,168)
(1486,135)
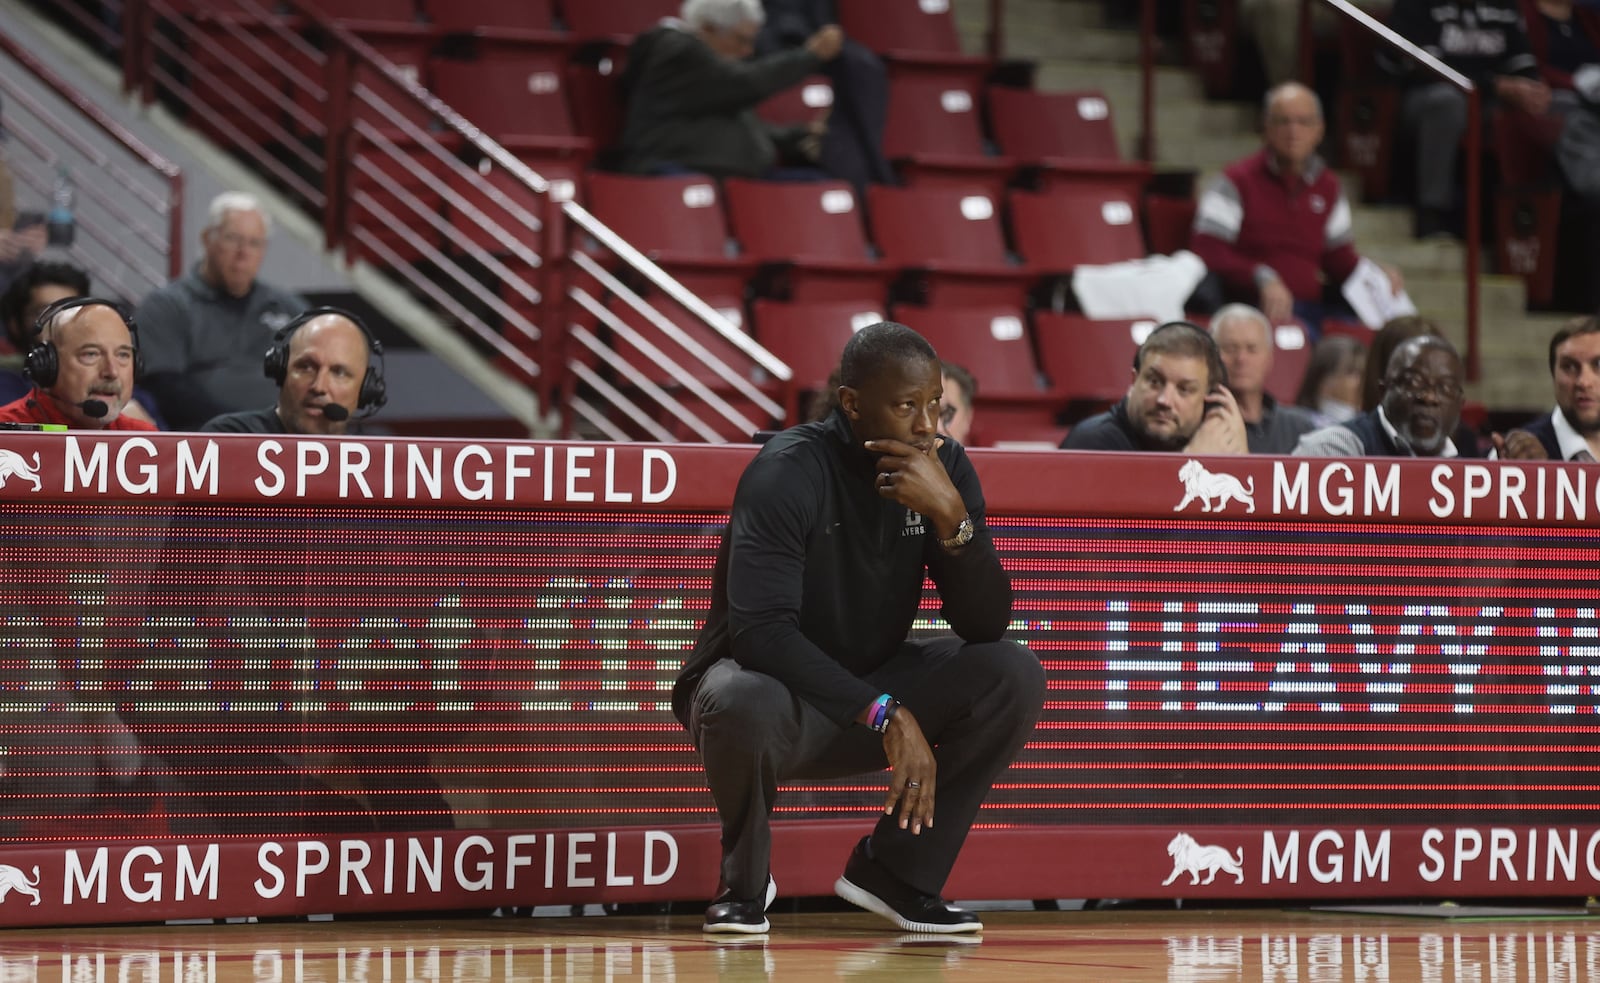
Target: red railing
(395,177)
(125,217)
(1473,149)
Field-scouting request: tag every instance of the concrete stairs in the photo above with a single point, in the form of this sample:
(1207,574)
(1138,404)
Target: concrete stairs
(1075,49)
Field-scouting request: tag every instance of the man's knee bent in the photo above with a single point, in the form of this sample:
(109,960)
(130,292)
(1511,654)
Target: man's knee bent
(1015,670)
(734,704)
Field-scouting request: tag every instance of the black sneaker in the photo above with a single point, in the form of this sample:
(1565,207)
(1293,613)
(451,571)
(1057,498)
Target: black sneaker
(867,885)
(729,914)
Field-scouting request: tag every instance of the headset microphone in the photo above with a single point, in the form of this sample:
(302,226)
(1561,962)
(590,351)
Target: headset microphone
(94,408)
(334,412)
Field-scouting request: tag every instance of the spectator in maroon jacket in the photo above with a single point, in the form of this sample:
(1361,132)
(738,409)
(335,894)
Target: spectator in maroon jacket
(1274,228)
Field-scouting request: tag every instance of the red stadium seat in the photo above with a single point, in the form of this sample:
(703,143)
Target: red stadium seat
(1290,357)
(615,20)
(1088,361)
(676,221)
(239,83)
(473,15)
(814,230)
(913,36)
(653,368)
(564,177)
(515,94)
(993,343)
(1069,135)
(1074,225)
(952,238)
(810,337)
(407,50)
(384,183)
(798,104)
(1168,222)
(934,138)
(595,97)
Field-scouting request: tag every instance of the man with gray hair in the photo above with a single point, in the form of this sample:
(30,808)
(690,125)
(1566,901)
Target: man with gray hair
(1244,338)
(203,334)
(692,89)
(1274,228)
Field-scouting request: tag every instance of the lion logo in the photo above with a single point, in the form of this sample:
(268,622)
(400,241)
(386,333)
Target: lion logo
(13,879)
(1198,483)
(12,463)
(1189,857)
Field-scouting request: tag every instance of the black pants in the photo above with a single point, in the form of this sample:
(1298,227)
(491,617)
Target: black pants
(976,704)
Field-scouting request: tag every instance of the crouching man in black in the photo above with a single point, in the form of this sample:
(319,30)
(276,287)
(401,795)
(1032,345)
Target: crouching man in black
(803,669)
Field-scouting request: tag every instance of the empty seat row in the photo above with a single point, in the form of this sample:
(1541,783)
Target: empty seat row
(815,234)
(904,30)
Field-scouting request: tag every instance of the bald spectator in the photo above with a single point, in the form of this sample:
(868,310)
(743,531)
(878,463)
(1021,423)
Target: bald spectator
(82,367)
(322,365)
(692,90)
(204,333)
(1178,401)
(1244,338)
(1571,432)
(1420,408)
(1274,228)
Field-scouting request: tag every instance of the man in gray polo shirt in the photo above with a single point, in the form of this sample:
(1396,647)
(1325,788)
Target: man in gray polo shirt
(1244,338)
(204,334)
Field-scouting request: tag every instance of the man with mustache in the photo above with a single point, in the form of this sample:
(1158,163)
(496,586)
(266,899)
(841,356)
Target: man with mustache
(1419,409)
(82,366)
(1178,401)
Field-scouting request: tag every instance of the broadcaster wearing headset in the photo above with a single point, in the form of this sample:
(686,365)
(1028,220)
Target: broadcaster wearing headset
(1178,400)
(321,362)
(82,366)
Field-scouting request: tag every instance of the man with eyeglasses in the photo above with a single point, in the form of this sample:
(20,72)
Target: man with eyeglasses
(1419,409)
(203,334)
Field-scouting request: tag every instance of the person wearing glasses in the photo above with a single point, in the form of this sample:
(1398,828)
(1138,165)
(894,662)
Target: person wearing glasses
(203,334)
(1418,411)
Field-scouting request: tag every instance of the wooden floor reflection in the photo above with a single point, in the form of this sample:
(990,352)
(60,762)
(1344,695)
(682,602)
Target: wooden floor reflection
(1170,946)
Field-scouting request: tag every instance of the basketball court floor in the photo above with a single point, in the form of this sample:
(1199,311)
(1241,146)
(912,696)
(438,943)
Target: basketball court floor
(1444,945)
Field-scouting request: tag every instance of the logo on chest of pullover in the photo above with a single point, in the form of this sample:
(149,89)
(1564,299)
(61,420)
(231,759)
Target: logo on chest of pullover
(914,525)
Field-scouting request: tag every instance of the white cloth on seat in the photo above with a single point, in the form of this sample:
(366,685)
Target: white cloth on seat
(1156,286)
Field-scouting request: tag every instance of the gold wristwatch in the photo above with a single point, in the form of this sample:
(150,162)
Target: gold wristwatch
(963,536)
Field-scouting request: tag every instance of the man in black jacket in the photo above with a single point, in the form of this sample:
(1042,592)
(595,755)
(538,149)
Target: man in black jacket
(692,94)
(1570,432)
(803,669)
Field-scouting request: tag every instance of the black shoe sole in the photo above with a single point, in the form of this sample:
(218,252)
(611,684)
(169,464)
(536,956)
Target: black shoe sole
(862,898)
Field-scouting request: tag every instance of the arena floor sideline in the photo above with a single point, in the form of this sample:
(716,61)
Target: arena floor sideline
(1171,946)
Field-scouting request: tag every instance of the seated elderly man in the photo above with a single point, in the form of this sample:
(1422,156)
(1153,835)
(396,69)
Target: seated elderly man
(1244,338)
(1178,401)
(1420,408)
(692,94)
(82,366)
(1274,228)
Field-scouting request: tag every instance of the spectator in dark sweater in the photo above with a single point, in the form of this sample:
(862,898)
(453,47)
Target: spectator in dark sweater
(1274,228)
(691,93)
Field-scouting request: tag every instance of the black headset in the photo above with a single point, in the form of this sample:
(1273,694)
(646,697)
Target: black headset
(42,365)
(374,391)
(1213,355)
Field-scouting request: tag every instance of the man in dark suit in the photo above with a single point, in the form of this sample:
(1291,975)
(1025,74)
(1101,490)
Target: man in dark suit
(1572,430)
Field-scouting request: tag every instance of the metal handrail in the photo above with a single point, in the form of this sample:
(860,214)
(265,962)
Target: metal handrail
(93,114)
(1384,33)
